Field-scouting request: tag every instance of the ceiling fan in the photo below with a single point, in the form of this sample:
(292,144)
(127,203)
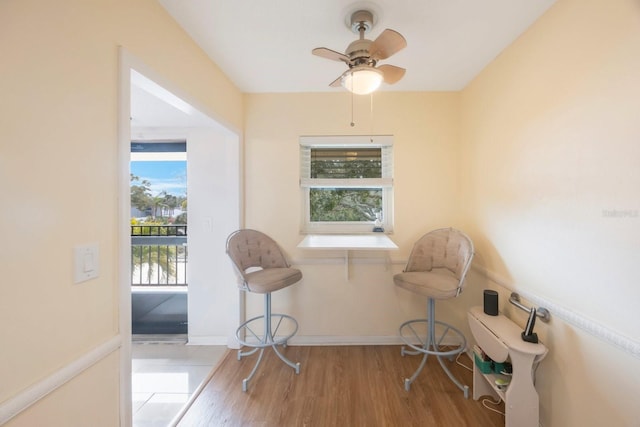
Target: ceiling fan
(362,55)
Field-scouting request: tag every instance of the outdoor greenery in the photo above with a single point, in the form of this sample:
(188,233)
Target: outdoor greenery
(160,207)
(345,204)
(154,261)
(157,263)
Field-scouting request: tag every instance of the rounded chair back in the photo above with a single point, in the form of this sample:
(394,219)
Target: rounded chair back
(443,248)
(251,248)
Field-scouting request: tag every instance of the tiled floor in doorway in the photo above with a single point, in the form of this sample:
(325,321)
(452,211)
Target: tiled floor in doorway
(165,375)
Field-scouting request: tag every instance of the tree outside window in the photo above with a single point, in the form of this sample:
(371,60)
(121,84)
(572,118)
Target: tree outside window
(346,183)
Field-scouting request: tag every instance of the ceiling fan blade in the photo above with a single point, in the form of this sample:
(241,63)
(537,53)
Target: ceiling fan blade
(337,82)
(387,43)
(391,73)
(330,54)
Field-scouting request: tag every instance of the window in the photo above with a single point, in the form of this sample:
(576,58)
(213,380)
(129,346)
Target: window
(346,183)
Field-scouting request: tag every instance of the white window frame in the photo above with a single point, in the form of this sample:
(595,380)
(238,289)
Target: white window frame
(385,142)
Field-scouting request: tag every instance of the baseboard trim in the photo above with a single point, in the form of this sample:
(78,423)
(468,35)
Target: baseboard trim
(23,400)
(596,329)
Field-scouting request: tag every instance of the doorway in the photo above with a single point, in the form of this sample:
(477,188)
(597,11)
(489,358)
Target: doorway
(159,250)
(152,108)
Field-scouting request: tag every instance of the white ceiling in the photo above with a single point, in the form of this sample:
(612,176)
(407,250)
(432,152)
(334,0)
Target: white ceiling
(265,45)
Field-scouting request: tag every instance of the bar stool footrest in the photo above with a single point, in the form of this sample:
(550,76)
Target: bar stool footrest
(247,336)
(419,341)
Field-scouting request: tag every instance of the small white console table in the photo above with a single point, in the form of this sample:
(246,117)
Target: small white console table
(347,243)
(500,339)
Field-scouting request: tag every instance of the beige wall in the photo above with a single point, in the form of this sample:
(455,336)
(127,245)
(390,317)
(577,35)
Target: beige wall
(59,175)
(425,127)
(528,159)
(550,141)
(531,159)
(85,401)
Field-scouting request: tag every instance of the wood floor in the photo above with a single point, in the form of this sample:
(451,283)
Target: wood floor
(348,386)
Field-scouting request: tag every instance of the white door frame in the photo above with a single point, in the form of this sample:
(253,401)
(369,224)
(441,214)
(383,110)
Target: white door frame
(127,63)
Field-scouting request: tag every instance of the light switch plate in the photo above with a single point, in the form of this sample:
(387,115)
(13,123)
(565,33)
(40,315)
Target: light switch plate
(86,262)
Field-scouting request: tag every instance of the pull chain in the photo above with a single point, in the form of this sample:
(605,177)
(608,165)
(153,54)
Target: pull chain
(371,118)
(352,123)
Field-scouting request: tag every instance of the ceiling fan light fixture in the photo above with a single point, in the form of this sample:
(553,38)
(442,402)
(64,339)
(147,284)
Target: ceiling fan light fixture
(362,80)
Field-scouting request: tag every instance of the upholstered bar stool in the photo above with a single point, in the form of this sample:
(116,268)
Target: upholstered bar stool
(436,269)
(263,269)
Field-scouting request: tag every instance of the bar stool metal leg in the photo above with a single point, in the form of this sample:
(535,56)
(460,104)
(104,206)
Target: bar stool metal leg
(268,338)
(430,345)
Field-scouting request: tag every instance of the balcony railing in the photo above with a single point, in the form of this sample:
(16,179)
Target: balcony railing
(159,230)
(158,255)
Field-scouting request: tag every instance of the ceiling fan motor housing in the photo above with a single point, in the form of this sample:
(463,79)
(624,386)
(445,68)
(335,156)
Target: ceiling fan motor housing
(358,52)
